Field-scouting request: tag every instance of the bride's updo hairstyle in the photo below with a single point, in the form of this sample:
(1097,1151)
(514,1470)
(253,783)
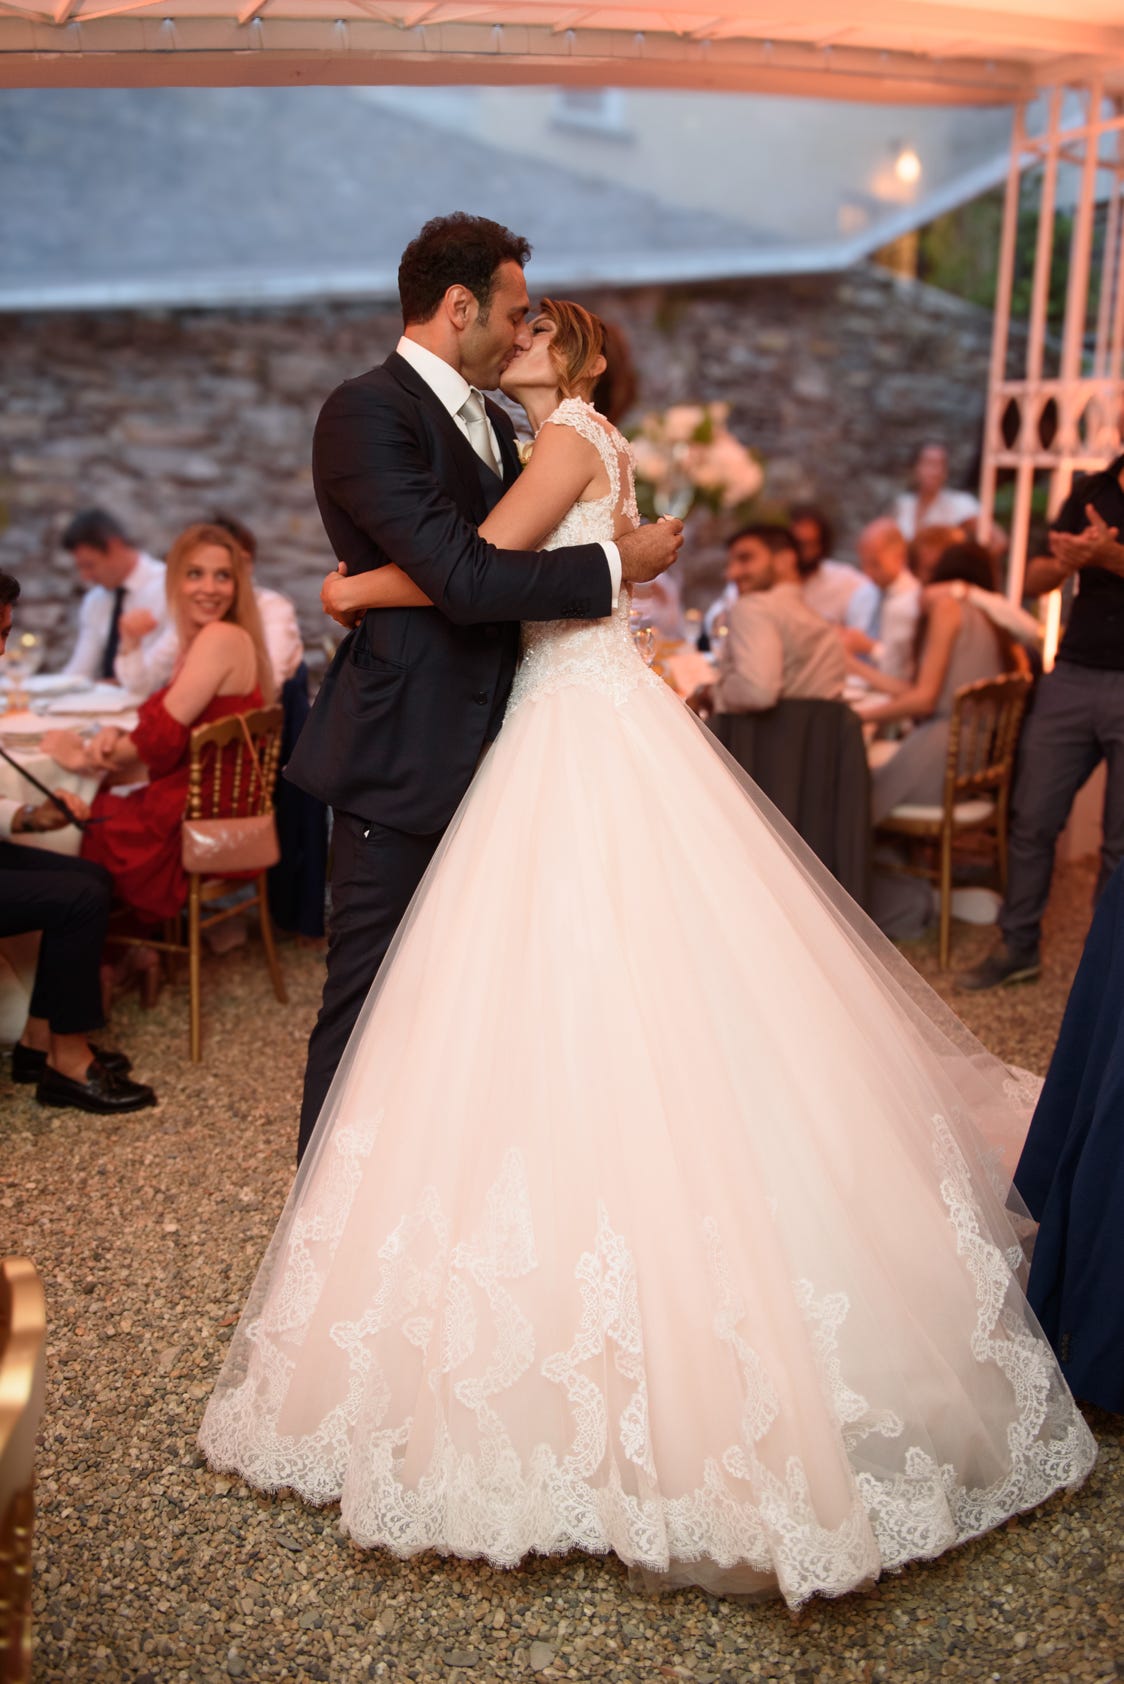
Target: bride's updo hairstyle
(579,340)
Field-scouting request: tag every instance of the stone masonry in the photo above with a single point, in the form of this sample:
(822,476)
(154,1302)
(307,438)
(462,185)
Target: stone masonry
(162,417)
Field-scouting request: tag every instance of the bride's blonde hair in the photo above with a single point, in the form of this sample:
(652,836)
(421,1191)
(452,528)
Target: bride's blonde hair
(579,340)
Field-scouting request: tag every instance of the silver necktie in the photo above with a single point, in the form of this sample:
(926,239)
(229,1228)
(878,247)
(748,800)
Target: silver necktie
(475,418)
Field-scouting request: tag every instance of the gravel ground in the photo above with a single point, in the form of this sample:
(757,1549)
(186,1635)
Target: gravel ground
(152,1569)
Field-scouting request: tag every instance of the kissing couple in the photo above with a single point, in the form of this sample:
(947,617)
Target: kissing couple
(648,1199)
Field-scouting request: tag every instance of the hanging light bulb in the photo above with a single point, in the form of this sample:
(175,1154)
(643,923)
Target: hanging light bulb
(907,165)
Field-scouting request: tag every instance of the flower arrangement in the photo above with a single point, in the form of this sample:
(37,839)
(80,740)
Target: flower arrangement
(687,458)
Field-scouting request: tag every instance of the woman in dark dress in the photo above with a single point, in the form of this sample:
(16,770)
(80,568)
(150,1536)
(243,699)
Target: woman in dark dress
(1071,1172)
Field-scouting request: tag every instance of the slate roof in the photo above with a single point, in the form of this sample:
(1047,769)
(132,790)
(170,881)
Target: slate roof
(221,195)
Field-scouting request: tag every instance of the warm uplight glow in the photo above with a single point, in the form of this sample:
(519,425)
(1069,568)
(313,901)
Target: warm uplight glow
(907,165)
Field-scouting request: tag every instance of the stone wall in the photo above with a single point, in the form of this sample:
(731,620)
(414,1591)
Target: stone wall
(164,416)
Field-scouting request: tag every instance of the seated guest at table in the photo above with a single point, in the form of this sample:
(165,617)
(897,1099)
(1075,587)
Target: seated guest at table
(838,593)
(147,656)
(67,900)
(123,580)
(927,547)
(775,647)
(957,644)
(885,561)
(222,669)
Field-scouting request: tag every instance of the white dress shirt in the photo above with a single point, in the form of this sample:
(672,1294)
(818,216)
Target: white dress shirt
(144,588)
(451,389)
(948,508)
(897,626)
(776,648)
(8,811)
(842,596)
(150,665)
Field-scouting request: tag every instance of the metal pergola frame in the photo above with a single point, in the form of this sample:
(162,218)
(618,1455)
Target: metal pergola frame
(1085,398)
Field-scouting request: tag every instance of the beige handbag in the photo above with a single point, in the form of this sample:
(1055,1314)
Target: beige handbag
(216,847)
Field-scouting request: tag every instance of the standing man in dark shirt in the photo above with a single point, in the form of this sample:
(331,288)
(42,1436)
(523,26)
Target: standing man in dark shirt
(1076,722)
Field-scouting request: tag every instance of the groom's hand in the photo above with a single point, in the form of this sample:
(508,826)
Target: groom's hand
(650,550)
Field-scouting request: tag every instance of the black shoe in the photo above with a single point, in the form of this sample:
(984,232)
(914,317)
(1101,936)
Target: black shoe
(999,969)
(28,1065)
(104,1091)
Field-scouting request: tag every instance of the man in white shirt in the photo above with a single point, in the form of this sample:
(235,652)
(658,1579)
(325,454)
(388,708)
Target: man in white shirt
(123,580)
(148,652)
(67,900)
(835,591)
(775,647)
(885,560)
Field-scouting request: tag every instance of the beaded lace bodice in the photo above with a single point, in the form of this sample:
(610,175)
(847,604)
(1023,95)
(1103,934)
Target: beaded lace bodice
(592,654)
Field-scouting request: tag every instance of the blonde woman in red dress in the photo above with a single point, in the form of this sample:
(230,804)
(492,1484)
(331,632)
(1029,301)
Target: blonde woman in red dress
(222,669)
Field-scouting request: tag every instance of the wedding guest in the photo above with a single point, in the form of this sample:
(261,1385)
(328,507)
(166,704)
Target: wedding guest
(67,901)
(885,561)
(775,646)
(146,661)
(1076,722)
(927,547)
(224,669)
(1071,1172)
(123,580)
(957,645)
(934,503)
(835,591)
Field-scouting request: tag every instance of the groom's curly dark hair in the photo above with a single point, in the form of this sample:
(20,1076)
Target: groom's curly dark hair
(457,250)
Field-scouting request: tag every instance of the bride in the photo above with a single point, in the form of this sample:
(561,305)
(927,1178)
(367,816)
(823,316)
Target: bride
(656,1206)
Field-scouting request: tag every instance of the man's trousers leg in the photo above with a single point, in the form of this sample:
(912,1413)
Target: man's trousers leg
(68,900)
(375,872)
(1058,751)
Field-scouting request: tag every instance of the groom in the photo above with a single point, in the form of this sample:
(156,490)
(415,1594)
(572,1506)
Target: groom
(407,461)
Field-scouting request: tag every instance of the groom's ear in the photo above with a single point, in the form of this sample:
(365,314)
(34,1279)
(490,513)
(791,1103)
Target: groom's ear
(460,306)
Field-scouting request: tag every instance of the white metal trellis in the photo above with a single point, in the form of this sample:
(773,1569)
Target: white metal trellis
(1071,420)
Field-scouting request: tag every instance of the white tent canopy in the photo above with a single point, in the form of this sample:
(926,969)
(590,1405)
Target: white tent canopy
(904,51)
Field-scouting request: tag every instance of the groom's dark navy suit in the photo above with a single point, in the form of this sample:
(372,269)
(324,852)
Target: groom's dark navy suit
(413,694)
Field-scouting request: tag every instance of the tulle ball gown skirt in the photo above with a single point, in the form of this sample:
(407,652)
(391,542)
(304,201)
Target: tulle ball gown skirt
(656,1207)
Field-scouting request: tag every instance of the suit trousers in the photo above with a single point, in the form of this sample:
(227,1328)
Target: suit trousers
(1077,721)
(68,900)
(375,871)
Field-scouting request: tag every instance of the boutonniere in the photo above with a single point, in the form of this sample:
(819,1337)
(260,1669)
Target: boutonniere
(523,449)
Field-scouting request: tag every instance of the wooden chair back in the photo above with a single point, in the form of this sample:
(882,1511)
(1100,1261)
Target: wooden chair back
(224,780)
(982,738)
(23,1329)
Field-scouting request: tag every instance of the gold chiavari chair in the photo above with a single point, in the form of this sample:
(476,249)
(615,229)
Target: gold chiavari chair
(228,822)
(983,736)
(23,1330)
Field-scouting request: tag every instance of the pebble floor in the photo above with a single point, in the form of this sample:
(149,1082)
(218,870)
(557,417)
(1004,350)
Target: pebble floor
(152,1569)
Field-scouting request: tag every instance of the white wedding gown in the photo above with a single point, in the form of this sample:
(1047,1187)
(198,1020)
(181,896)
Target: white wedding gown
(657,1206)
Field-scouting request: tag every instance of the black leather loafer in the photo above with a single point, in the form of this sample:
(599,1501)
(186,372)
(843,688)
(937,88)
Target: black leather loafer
(104,1091)
(28,1065)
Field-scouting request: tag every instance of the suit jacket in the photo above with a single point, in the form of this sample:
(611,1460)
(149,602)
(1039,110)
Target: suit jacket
(413,694)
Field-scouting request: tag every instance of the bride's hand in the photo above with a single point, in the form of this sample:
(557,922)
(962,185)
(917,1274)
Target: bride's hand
(650,550)
(335,596)
(66,749)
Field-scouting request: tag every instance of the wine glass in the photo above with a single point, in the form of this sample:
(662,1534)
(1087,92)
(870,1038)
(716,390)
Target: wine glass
(643,636)
(24,653)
